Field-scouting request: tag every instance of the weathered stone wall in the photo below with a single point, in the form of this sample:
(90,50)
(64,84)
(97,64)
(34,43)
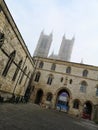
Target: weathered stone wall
(73,88)
(13,41)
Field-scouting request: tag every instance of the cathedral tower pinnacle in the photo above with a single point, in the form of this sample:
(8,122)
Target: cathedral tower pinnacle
(43,45)
(66,49)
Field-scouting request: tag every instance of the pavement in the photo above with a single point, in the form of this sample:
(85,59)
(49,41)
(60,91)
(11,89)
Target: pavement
(32,117)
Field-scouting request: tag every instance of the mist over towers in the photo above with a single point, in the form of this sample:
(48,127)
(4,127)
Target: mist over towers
(44,44)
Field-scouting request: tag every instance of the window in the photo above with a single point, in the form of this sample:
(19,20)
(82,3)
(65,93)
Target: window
(49,96)
(9,62)
(37,77)
(1,39)
(83,87)
(50,79)
(24,71)
(53,66)
(41,64)
(70,81)
(68,70)
(61,79)
(85,73)
(97,91)
(76,104)
(17,70)
(27,78)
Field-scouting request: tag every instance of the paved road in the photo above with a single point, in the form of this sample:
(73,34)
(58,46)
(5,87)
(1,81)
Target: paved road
(32,117)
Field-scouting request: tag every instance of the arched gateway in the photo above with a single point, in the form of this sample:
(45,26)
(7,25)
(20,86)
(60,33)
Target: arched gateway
(62,101)
(87,110)
(39,96)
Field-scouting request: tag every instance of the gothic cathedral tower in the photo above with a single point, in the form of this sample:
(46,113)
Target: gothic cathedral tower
(43,45)
(66,49)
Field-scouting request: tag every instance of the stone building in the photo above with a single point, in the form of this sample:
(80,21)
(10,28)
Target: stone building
(65,50)
(51,82)
(78,81)
(44,44)
(16,64)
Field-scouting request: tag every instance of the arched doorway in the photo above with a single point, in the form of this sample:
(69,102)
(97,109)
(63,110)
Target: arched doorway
(39,96)
(87,110)
(62,102)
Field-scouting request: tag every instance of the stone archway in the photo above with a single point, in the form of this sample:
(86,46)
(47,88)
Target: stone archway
(62,99)
(39,96)
(87,110)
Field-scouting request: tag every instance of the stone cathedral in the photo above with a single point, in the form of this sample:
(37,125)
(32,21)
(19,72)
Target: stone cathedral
(44,44)
(50,81)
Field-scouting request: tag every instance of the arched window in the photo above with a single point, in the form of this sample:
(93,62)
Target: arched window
(41,64)
(50,79)
(85,73)
(17,70)
(24,71)
(1,39)
(49,96)
(96,91)
(68,70)
(76,104)
(83,87)
(9,62)
(53,67)
(37,77)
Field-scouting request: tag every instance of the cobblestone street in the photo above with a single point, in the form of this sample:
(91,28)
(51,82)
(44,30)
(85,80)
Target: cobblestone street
(32,117)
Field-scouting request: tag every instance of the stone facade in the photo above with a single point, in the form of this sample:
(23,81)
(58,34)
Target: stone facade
(66,49)
(16,64)
(64,81)
(44,78)
(43,45)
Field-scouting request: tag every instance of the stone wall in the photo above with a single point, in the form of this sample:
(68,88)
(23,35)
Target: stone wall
(73,88)
(13,42)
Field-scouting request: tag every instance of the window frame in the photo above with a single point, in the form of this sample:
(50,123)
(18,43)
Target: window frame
(83,87)
(97,91)
(41,64)
(76,104)
(68,70)
(37,77)
(53,66)
(85,73)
